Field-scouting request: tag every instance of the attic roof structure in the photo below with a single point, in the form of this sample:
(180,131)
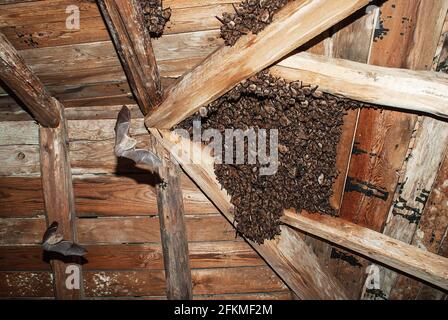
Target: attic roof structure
(103,175)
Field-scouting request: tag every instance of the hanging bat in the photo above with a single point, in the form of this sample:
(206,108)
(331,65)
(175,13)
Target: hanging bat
(54,242)
(125,145)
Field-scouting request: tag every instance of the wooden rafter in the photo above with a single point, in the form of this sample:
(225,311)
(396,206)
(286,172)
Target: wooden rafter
(415,91)
(26,86)
(379,247)
(305,276)
(133,43)
(124,19)
(294,25)
(54,155)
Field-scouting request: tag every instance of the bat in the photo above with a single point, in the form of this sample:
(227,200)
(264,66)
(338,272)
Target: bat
(125,145)
(54,242)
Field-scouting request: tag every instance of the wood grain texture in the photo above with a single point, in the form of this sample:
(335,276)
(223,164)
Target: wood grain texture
(393,253)
(126,25)
(146,230)
(98,196)
(58,194)
(414,91)
(203,255)
(294,25)
(417,173)
(205,281)
(306,278)
(124,230)
(172,226)
(26,86)
(409,220)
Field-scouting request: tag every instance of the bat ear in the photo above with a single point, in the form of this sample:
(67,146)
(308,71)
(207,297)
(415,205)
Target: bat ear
(51,230)
(124,115)
(54,225)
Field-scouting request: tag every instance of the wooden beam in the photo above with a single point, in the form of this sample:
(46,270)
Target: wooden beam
(294,25)
(133,43)
(377,246)
(419,91)
(124,19)
(54,156)
(26,86)
(58,197)
(172,226)
(305,276)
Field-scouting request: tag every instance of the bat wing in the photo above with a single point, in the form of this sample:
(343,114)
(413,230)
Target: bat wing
(66,248)
(142,156)
(125,145)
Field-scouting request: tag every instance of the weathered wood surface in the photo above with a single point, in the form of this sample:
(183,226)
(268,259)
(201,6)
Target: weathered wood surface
(203,255)
(205,281)
(125,22)
(393,253)
(172,226)
(249,282)
(294,25)
(418,174)
(414,91)
(58,195)
(117,230)
(98,196)
(26,86)
(305,277)
(21,24)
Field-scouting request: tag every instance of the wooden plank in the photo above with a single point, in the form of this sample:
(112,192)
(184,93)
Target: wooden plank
(59,198)
(20,80)
(306,278)
(98,196)
(146,229)
(216,254)
(22,231)
(294,25)
(409,90)
(430,235)
(393,253)
(116,230)
(423,171)
(205,281)
(25,284)
(26,35)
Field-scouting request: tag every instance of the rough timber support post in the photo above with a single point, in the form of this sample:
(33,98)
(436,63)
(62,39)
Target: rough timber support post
(133,43)
(54,157)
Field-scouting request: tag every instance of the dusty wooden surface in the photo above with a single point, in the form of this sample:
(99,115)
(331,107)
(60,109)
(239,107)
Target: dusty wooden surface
(133,43)
(20,79)
(394,253)
(59,198)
